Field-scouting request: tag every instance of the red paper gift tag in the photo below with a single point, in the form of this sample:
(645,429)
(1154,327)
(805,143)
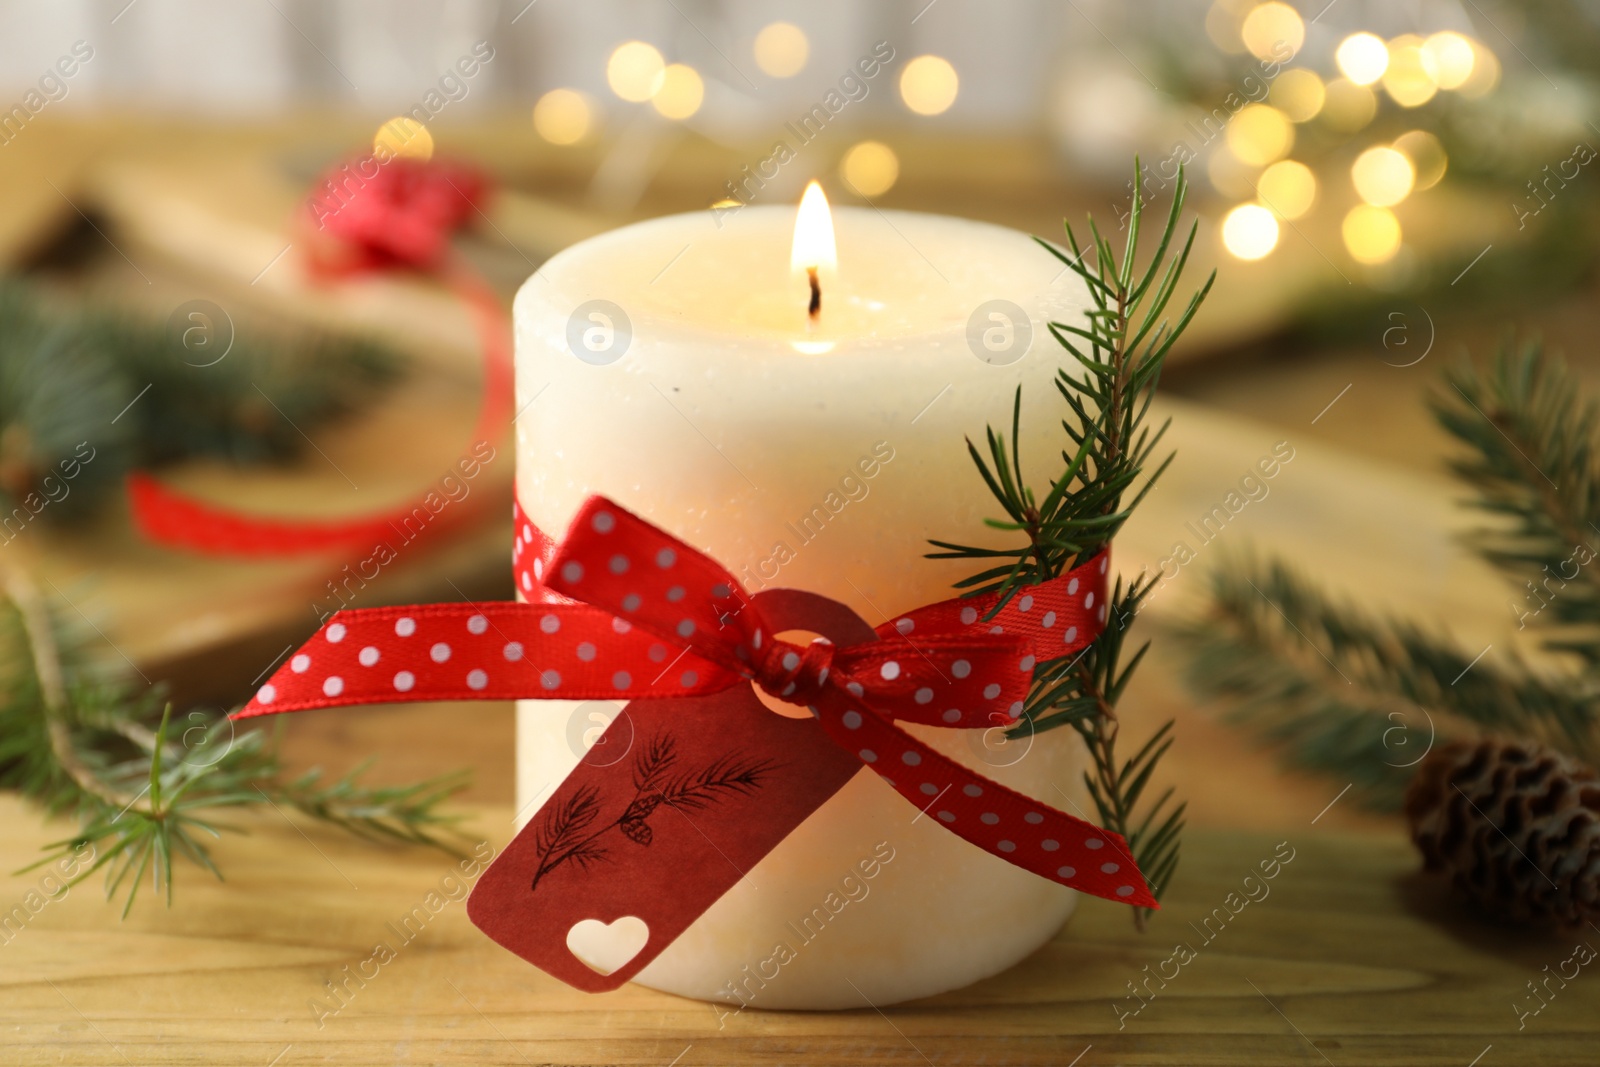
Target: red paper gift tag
(708,787)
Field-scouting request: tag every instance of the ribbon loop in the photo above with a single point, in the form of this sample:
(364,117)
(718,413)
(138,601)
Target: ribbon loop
(793,672)
(615,560)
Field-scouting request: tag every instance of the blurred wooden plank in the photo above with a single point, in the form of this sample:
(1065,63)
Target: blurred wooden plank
(230,213)
(232,220)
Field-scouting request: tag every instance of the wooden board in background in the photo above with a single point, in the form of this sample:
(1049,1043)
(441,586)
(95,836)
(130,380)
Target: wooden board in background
(227,211)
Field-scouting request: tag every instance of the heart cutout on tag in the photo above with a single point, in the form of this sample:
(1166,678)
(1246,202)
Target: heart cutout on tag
(608,947)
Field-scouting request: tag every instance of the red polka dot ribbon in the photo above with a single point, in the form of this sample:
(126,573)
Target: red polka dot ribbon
(363,217)
(630,611)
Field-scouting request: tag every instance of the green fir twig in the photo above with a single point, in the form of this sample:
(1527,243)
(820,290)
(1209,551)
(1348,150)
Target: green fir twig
(70,372)
(1117,354)
(1531,436)
(1359,696)
(73,739)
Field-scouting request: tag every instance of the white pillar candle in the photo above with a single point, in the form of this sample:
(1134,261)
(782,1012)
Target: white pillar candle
(672,366)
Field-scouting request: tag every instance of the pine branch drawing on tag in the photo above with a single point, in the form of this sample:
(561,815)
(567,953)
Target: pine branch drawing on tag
(567,832)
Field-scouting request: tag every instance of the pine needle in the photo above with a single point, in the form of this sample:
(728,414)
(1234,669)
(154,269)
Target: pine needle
(1116,357)
(70,374)
(73,739)
(1361,697)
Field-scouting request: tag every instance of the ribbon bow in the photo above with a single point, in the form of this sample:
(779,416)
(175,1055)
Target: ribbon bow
(364,216)
(637,613)
(398,213)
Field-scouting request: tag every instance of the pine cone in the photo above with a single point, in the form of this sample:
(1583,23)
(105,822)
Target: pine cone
(638,831)
(1516,825)
(642,807)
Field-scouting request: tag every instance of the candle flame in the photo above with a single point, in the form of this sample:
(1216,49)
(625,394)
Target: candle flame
(813,233)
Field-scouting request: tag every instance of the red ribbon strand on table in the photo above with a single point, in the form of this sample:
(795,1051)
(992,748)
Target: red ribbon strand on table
(632,612)
(399,218)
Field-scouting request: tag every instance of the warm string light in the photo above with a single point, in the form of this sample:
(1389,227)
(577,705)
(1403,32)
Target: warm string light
(929,85)
(563,116)
(1453,57)
(1271,27)
(637,72)
(1427,157)
(681,92)
(1410,69)
(1362,58)
(1371,234)
(1288,187)
(1249,231)
(781,50)
(1411,78)
(1382,176)
(870,168)
(404,137)
(1299,94)
(1260,134)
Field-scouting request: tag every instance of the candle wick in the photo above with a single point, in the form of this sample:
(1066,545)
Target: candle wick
(816,292)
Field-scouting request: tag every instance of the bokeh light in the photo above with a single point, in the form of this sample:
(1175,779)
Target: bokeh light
(1299,94)
(681,92)
(1382,176)
(781,50)
(635,71)
(1485,73)
(870,168)
(1362,58)
(405,137)
(1224,19)
(563,116)
(1427,157)
(1348,107)
(1371,234)
(1270,27)
(1288,187)
(1249,231)
(1410,79)
(1260,135)
(928,85)
(1453,57)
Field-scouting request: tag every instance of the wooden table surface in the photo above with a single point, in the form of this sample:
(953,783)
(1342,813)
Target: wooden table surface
(1349,958)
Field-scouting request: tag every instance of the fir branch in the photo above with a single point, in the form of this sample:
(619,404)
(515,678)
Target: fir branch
(72,738)
(1117,355)
(1532,437)
(653,760)
(68,373)
(410,814)
(562,829)
(1359,697)
(726,776)
(565,831)
(1331,685)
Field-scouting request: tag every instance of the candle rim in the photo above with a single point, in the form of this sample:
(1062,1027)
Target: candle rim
(571,277)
